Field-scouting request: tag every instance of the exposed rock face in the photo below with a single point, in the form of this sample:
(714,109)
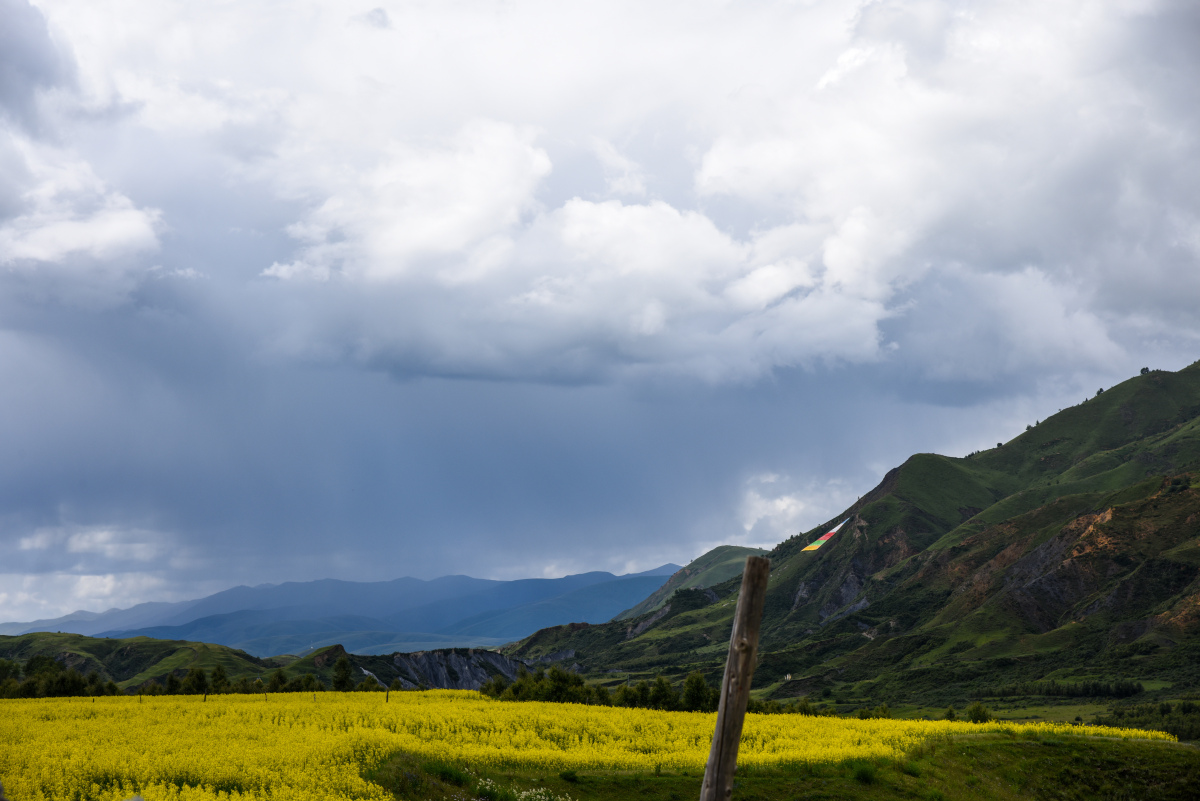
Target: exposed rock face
(326,658)
(849,589)
(557,656)
(453,669)
(634,631)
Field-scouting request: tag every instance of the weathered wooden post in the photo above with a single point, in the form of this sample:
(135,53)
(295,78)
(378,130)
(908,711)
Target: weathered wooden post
(735,686)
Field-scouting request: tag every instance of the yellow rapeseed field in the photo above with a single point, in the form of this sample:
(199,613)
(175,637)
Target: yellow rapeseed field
(297,746)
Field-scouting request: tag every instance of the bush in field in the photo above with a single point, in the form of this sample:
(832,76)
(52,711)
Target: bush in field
(698,696)
(663,696)
(554,684)
(277,681)
(978,713)
(864,772)
(195,682)
(342,678)
(219,681)
(882,711)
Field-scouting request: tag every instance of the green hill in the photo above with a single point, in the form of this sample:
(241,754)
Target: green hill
(720,564)
(135,661)
(1070,553)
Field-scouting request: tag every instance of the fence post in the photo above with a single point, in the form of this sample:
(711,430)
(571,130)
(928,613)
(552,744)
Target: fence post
(735,686)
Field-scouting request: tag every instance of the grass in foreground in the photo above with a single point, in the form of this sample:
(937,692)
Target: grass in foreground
(322,745)
(970,769)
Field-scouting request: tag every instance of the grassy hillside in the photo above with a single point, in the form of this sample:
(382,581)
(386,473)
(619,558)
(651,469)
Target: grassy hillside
(718,565)
(1070,553)
(134,661)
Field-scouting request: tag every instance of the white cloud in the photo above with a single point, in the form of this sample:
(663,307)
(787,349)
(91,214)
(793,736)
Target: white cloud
(776,506)
(996,326)
(623,175)
(63,229)
(796,170)
(28,597)
(441,211)
(115,544)
(64,209)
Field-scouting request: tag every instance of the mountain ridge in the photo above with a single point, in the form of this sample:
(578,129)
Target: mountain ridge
(372,617)
(1069,551)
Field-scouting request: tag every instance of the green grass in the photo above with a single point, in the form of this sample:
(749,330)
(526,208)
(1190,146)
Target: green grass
(713,567)
(971,769)
(135,660)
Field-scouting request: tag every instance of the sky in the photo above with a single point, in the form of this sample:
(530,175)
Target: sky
(298,290)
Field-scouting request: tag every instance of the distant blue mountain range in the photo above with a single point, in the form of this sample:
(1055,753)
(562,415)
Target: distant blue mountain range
(405,614)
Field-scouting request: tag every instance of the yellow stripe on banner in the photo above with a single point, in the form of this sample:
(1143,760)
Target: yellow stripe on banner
(814,546)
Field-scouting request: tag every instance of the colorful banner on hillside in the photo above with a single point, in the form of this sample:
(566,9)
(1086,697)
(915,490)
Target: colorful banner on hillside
(817,543)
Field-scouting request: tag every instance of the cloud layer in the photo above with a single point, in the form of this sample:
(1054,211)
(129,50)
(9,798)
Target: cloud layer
(288,285)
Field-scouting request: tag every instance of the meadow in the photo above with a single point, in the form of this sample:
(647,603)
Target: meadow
(324,745)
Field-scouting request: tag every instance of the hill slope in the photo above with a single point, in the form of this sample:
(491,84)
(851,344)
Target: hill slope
(134,661)
(1070,552)
(720,564)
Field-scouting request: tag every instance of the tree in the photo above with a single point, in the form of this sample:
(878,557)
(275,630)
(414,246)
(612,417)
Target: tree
(41,665)
(172,684)
(950,714)
(219,681)
(663,695)
(1145,370)
(698,696)
(494,687)
(343,680)
(278,681)
(978,713)
(196,682)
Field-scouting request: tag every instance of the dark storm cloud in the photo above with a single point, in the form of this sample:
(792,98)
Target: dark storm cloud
(30,62)
(375,295)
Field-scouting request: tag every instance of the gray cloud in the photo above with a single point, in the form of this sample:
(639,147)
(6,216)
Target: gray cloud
(30,62)
(376,18)
(469,297)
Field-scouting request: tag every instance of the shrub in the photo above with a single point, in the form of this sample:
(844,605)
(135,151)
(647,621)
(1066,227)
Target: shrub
(978,713)
(342,678)
(864,772)
(447,773)
(698,696)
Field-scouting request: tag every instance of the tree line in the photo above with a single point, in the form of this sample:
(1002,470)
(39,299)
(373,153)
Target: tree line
(694,694)
(46,677)
(1084,689)
(1181,719)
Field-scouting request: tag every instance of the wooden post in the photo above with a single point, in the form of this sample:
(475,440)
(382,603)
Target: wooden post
(735,686)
